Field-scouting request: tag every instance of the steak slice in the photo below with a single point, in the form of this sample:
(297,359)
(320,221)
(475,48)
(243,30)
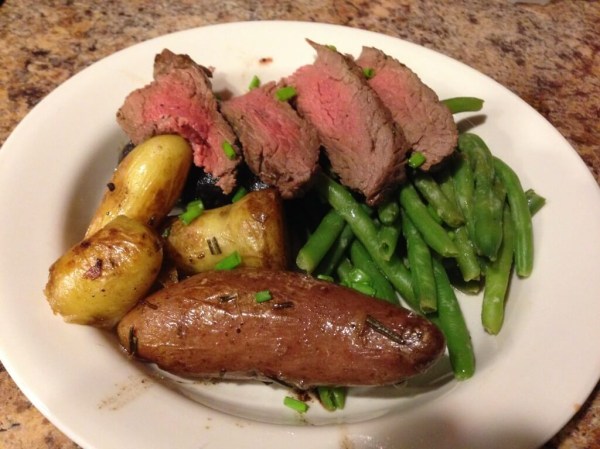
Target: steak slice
(427,123)
(364,145)
(180,100)
(279,146)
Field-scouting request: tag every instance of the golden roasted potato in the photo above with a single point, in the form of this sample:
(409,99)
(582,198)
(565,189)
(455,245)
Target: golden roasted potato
(147,183)
(253,226)
(98,280)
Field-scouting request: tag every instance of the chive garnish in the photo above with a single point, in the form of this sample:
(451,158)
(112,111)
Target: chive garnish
(230,262)
(369,72)
(228,150)
(263,296)
(192,211)
(239,194)
(285,93)
(254,83)
(416,159)
(295,404)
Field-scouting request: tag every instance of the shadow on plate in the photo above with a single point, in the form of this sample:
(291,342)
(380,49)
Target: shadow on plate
(90,184)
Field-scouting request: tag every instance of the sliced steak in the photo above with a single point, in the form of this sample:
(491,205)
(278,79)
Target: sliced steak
(364,145)
(427,124)
(279,146)
(180,100)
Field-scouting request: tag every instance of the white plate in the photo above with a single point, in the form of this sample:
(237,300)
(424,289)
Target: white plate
(529,381)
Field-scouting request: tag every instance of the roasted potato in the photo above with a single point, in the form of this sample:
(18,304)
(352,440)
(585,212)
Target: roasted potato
(253,226)
(147,183)
(98,280)
(309,333)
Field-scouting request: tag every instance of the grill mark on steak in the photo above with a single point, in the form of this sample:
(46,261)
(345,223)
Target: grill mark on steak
(180,100)
(279,146)
(366,148)
(427,123)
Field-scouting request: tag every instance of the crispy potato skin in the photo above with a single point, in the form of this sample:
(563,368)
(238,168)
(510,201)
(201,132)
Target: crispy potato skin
(147,183)
(253,226)
(99,279)
(310,333)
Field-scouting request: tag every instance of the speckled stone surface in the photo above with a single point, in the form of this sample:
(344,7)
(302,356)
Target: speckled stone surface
(548,55)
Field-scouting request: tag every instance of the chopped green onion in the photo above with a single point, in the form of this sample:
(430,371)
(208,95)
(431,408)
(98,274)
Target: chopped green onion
(331,47)
(285,93)
(295,404)
(230,262)
(239,194)
(192,211)
(369,72)
(325,277)
(228,150)
(254,83)
(416,159)
(263,296)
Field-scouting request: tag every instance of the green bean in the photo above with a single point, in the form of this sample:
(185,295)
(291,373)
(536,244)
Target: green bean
(463,104)
(464,187)
(521,218)
(361,259)
(433,233)
(333,257)
(388,212)
(355,278)
(434,215)
(466,259)
(534,201)
(447,210)
(320,241)
(452,323)
(419,257)
(487,207)
(343,271)
(332,398)
(388,240)
(497,277)
(365,230)
(446,183)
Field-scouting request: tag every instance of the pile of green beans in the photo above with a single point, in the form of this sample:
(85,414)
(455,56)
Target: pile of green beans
(468,224)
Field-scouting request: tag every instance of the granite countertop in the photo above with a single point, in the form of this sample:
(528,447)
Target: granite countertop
(548,55)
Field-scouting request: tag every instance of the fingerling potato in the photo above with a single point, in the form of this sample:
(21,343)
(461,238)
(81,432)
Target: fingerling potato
(253,226)
(147,183)
(99,279)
